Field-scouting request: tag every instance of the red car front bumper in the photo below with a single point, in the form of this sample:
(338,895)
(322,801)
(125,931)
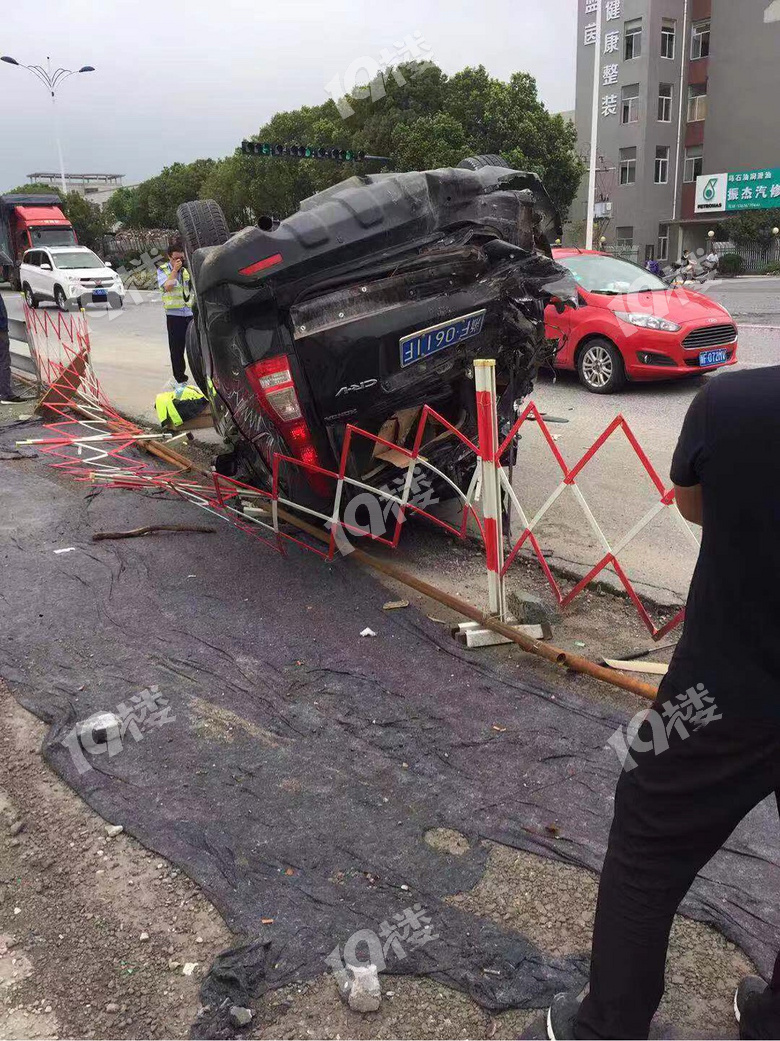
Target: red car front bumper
(652,355)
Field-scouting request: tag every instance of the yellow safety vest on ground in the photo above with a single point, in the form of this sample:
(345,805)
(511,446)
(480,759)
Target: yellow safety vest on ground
(166,405)
(182,294)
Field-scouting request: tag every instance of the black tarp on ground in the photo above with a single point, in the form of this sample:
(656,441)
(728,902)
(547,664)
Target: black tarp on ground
(289,737)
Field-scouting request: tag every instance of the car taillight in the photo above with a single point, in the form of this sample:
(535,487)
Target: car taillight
(272,382)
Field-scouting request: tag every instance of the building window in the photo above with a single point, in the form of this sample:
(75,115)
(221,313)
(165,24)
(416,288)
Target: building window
(629,112)
(700,40)
(633,39)
(697,102)
(663,241)
(627,165)
(694,163)
(668,32)
(624,239)
(661,171)
(665,96)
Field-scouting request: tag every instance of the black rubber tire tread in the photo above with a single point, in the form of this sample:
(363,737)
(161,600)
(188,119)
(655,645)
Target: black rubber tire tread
(476,162)
(201,223)
(194,359)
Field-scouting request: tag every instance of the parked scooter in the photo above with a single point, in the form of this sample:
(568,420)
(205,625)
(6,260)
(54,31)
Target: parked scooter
(690,271)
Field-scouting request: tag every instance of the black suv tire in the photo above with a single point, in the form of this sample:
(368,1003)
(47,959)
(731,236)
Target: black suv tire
(194,358)
(476,162)
(201,224)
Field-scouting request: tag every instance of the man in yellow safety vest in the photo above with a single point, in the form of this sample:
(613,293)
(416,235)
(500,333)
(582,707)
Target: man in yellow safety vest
(178,295)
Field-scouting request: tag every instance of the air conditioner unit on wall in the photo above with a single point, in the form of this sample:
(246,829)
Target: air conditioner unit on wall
(602,209)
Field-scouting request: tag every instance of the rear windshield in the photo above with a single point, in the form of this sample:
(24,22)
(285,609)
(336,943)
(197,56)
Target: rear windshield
(610,275)
(76,260)
(52,236)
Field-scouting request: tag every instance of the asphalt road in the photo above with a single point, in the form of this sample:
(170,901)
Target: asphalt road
(614,483)
(130,355)
(129,349)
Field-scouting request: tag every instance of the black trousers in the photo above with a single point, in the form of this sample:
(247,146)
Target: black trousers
(673,811)
(6,383)
(177,337)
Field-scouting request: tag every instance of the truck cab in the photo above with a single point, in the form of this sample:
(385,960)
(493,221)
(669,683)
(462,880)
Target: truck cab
(30,222)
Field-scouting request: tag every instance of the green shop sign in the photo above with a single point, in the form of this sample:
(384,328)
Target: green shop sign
(747,190)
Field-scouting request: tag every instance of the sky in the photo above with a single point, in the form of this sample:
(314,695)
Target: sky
(177,81)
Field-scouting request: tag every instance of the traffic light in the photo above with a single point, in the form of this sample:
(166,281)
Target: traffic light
(342,155)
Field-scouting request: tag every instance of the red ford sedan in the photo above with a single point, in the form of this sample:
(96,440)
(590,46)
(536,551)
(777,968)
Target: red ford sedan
(631,326)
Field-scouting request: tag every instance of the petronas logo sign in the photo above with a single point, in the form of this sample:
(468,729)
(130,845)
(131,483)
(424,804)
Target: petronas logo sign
(711,192)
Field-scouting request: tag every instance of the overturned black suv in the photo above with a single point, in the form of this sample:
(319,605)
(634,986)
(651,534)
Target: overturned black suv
(371,301)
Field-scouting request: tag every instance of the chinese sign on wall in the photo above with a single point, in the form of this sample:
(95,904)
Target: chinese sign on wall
(609,47)
(747,190)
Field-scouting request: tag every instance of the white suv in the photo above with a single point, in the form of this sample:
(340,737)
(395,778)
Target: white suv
(71,276)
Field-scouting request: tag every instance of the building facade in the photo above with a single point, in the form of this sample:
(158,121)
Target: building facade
(687,90)
(96,187)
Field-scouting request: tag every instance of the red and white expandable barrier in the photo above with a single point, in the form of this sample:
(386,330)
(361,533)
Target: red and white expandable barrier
(95,448)
(490,471)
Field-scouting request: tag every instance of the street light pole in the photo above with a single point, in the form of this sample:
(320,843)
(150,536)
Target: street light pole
(52,81)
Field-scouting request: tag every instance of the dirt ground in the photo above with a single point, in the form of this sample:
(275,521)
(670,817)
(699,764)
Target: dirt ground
(75,906)
(95,931)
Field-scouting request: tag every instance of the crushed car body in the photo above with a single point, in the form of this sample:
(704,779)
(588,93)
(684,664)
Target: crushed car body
(370,301)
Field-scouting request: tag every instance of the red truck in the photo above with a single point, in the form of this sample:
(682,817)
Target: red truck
(27,221)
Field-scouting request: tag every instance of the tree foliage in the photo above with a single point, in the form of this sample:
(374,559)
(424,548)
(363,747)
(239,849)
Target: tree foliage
(89,221)
(35,188)
(153,203)
(750,227)
(416,115)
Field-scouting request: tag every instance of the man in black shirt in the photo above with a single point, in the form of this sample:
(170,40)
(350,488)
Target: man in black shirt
(676,804)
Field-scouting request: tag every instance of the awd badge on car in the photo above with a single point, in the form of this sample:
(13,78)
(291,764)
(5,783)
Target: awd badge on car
(352,387)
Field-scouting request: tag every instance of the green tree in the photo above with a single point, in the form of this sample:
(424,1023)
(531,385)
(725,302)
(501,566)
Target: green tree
(153,203)
(34,189)
(123,207)
(416,115)
(89,221)
(749,227)
(429,141)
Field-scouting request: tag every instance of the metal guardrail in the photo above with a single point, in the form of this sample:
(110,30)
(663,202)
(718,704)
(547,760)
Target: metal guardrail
(17,330)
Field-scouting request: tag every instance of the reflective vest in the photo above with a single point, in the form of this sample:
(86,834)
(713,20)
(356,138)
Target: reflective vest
(166,403)
(182,294)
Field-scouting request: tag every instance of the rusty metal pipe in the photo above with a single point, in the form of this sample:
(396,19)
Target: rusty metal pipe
(556,655)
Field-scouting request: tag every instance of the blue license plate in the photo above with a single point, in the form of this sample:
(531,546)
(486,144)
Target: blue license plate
(99,294)
(713,357)
(428,341)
